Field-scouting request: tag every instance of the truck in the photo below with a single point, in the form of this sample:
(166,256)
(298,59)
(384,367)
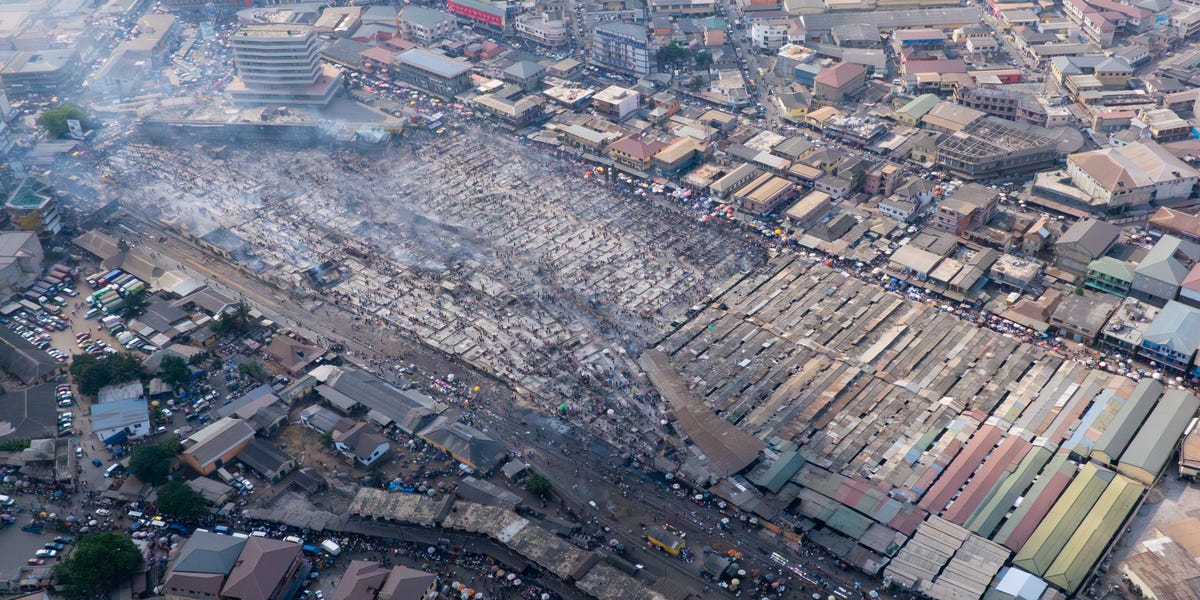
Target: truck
(225,476)
(330,547)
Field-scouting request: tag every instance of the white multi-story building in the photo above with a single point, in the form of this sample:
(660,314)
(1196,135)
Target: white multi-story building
(546,29)
(621,47)
(770,35)
(281,64)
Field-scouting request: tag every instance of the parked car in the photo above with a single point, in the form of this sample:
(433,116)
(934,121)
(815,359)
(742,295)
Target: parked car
(46,553)
(103,512)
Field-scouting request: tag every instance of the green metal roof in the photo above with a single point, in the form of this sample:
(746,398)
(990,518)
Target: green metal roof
(1060,463)
(1093,535)
(781,471)
(1064,518)
(1111,267)
(1151,448)
(1120,432)
(920,105)
(988,516)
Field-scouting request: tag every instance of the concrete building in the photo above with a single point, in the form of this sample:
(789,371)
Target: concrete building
(1130,177)
(20,258)
(47,72)
(770,34)
(615,102)
(1110,275)
(970,208)
(1172,338)
(1083,242)
(1157,278)
(117,422)
(621,47)
(216,445)
(424,25)
(491,16)
(361,443)
(991,146)
(545,29)
(280,64)
(764,193)
(432,72)
(33,206)
(1080,317)
(367,580)
(212,566)
(839,82)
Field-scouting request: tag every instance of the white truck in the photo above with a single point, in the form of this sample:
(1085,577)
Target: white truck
(331,548)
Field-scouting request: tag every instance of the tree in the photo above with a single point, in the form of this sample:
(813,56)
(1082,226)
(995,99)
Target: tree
(672,53)
(174,371)
(254,370)
(538,485)
(55,119)
(152,463)
(13,445)
(94,372)
(233,322)
(176,498)
(101,562)
(696,83)
(703,59)
(135,304)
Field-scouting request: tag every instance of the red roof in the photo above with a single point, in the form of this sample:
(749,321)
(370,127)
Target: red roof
(636,148)
(840,74)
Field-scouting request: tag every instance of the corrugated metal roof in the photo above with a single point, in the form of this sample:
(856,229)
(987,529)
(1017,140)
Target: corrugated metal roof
(1116,438)
(988,516)
(1063,519)
(844,520)
(1149,451)
(964,464)
(1002,461)
(1092,536)
(1054,479)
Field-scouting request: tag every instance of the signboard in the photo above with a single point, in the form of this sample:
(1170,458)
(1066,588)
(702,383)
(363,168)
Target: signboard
(76,128)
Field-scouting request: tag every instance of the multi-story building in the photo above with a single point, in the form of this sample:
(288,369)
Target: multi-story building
(433,72)
(683,8)
(32,206)
(21,257)
(1083,242)
(1165,126)
(1160,274)
(493,16)
(280,64)
(424,25)
(615,102)
(45,72)
(970,208)
(991,146)
(621,47)
(998,103)
(1172,337)
(764,193)
(839,82)
(1120,179)
(771,34)
(1109,275)
(547,29)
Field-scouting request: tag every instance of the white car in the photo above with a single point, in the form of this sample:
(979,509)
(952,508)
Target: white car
(103,512)
(46,553)
(246,483)
(166,412)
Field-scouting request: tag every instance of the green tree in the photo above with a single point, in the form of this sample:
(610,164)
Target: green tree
(538,485)
(152,463)
(101,562)
(672,53)
(55,120)
(94,372)
(135,304)
(176,498)
(254,371)
(13,445)
(696,83)
(703,59)
(199,358)
(174,371)
(233,322)
(327,439)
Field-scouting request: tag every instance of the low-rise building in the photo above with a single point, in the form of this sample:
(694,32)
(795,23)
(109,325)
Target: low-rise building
(1158,276)
(368,580)
(212,566)
(971,207)
(546,29)
(839,82)
(117,422)
(1124,329)
(1014,272)
(20,258)
(764,193)
(1080,317)
(434,73)
(216,445)
(361,442)
(1083,242)
(1172,337)
(616,102)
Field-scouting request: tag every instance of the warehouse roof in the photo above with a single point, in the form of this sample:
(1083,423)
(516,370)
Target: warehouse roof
(210,443)
(22,359)
(1128,420)
(1069,510)
(437,64)
(119,413)
(1152,447)
(1093,535)
(28,414)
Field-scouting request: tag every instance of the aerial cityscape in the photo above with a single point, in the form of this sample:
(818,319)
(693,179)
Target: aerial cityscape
(600,299)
